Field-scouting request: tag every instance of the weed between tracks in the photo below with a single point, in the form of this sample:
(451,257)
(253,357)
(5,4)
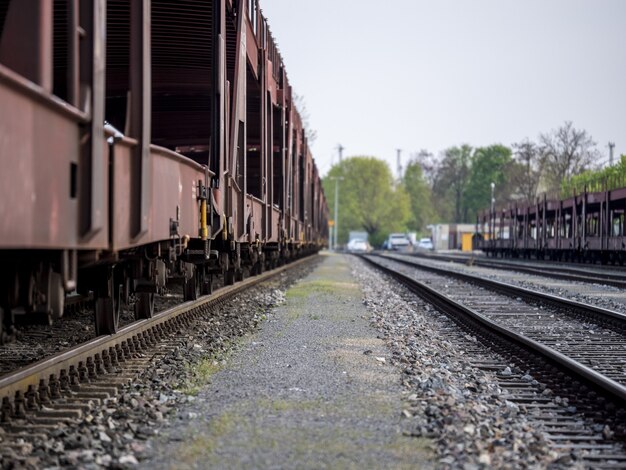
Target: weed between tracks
(200,373)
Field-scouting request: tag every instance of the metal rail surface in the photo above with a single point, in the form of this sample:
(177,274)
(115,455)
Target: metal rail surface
(446,304)
(37,374)
(603,314)
(567,273)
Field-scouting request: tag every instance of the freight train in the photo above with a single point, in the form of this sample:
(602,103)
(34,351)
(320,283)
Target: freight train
(587,226)
(144,143)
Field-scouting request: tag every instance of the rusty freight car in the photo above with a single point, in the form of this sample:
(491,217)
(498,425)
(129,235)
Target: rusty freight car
(587,226)
(144,143)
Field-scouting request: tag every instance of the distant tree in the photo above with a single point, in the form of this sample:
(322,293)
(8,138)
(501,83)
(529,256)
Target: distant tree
(450,183)
(526,172)
(429,163)
(566,152)
(419,191)
(608,178)
(489,165)
(368,199)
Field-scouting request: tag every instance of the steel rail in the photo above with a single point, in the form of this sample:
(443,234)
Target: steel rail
(446,304)
(564,273)
(512,290)
(33,374)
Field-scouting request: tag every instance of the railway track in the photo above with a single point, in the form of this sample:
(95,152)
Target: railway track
(612,277)
(554,349)
(62,388)
(610,318)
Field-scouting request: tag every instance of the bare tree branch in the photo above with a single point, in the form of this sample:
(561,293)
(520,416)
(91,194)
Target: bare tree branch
(566,152)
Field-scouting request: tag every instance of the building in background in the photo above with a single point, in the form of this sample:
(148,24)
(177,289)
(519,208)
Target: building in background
(452,236)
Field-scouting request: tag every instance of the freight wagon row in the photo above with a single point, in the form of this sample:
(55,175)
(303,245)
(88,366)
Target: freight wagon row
(584,227)
(142,143)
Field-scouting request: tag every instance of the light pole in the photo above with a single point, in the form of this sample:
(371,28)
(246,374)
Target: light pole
(493,215)
(336,225)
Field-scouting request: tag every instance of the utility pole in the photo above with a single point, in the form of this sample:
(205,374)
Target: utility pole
(399,163)
(611,148)
(492,221)
(340,150)
(336,221)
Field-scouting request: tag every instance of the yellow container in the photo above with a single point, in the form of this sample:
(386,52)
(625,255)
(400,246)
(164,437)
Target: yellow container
(466,242)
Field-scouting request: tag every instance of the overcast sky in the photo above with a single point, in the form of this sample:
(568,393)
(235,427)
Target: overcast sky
(415,74)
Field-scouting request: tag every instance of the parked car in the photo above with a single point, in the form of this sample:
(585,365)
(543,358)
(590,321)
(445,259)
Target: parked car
(425,244)
(399,242)
(358,246)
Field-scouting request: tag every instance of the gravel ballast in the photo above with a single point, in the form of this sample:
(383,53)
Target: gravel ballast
(312,389)
(115,432)
(355,371)
(465,408)
(344,369)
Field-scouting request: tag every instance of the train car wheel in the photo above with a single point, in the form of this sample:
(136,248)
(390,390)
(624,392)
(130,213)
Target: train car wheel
(108,306)
(6,325)
(125,291)
(229,277)
(107,316)
(190,288)
(2,333)
(57,295)
(254,269)
(144,306)
(206,283)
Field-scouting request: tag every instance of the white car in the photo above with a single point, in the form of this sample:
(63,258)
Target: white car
(358,245)
(425,244)
(399,242)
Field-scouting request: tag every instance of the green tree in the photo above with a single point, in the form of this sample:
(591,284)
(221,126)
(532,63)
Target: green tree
(419,191)
(489,165)
(450,183)
(368,199)
(609,178)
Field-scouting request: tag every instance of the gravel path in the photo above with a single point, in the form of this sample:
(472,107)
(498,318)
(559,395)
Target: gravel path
(312,389)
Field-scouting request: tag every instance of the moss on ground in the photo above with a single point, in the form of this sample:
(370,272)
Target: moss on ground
(200,447)
(200,375)
(339,441)
(306,288)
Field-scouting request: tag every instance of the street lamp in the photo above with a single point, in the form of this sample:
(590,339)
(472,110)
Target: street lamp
(492,234)
(336,225)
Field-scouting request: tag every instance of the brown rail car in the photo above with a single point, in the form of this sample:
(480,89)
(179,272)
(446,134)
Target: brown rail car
(588,226)
(143,143)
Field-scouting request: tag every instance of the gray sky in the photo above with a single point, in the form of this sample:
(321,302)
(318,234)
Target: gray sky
(415,74)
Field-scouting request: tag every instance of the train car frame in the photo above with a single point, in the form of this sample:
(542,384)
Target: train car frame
(587,226)
(145,143)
